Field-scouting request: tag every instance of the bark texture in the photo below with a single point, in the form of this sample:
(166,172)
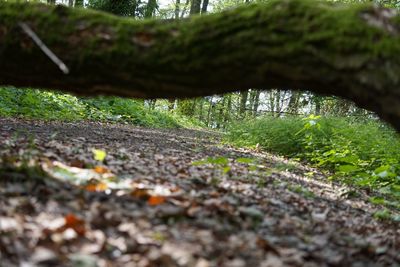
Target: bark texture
(352,51)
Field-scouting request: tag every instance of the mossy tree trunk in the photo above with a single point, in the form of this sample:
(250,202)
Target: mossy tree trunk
(352,51)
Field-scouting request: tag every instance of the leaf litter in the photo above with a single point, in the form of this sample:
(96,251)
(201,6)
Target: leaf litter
(92,194)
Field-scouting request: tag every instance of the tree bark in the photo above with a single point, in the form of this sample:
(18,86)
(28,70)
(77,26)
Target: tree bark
(195,7)
(79,3)
(150,8)
(243,103)
(256,103)
(204,7)
(351,51)
(177,8)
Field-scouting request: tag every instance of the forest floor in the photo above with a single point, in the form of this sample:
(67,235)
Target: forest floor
(148,204)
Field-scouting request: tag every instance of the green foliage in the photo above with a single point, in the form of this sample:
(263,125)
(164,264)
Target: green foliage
(120,7)
(220,162)
(365,153)
(37,104)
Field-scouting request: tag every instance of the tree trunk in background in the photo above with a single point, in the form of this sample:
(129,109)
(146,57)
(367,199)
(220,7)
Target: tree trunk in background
(317,101)
(150,8)
(351,51)
(277,103)
(317,107)
(228,109)
(185,7)
(249,110)
(201,100)
(271,96)
(51,2)
(293,106)
(195,7)
(177,8)
(204,7)
(256,103)
(79,3)
(243,102)
(210,107)
(71,3)
(220,118)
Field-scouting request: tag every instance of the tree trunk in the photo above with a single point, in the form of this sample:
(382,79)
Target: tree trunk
(210,107)
(293,106)
(79,3)
(252,96)
(177,8)
(243,102)
(201,109)
(352,51)
(228,109)
(256,103)
(204,7)
(185,8)
(277,103)
(150,8)
(195,7)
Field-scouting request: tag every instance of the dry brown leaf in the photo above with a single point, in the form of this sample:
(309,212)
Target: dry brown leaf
(140,193)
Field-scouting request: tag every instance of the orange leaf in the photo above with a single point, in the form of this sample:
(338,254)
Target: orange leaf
(95,187)
(73,222)
(156,200)
(101,169)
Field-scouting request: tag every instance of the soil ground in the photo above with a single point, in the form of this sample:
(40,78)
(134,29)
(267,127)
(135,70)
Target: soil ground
(150,204)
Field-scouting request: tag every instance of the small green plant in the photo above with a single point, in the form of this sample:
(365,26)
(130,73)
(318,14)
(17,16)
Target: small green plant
(44,105)
(221,163)
(301,190)
(383,215)
(363,153)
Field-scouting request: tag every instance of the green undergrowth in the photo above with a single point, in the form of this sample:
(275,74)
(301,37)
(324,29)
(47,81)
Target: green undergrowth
(45,105)
(360,153)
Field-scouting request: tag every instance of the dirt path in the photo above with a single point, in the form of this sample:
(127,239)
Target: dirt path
(163,210)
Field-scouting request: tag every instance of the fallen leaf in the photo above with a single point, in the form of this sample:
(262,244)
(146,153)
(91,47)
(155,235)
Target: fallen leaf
(156,200)
(266,246)
(101,169)
(140,193)
(77,224)
(96,187)
(99,154)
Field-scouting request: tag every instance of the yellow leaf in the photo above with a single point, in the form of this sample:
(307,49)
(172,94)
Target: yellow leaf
(99,154)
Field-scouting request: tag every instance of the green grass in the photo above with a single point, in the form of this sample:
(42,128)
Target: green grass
(363,153)
(45,105)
